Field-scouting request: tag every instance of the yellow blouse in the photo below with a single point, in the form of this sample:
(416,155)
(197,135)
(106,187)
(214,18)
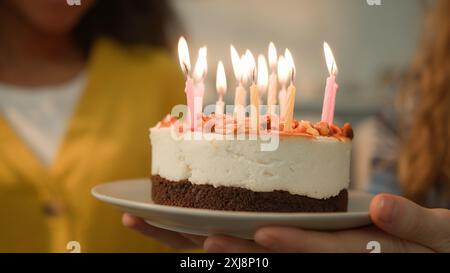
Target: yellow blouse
(42,209)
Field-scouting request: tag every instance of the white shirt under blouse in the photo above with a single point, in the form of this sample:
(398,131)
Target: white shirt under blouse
(40,115)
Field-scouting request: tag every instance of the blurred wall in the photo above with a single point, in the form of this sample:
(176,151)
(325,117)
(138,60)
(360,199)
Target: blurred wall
(366,40)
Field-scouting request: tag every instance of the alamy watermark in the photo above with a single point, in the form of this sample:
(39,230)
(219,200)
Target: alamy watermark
(374,247)
(73,247)
(373,2)
(235,125)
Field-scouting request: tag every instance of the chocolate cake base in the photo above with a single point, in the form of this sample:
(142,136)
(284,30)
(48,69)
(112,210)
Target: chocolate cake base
(185,194)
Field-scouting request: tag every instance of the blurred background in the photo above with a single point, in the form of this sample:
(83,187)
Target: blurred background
(371,43)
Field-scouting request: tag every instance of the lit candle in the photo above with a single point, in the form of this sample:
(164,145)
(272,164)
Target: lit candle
(185,63)
(331,88)
(254,92)
(239,68)
(283,77)
(221,86)
(290,101)
(199,86)
(263,76)
(194,89)
(273,81)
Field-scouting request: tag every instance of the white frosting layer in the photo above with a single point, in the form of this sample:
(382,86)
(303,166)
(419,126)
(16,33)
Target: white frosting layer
(314,167)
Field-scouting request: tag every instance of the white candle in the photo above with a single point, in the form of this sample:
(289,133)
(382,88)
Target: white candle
(221,86)
(273,80)
(239,67)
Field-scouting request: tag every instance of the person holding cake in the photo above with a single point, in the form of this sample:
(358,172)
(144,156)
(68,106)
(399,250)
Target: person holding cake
(420,126)
(79,86)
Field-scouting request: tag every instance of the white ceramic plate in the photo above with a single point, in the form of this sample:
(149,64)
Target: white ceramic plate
(134,196)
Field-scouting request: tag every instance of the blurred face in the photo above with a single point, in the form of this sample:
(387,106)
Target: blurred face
(50,16)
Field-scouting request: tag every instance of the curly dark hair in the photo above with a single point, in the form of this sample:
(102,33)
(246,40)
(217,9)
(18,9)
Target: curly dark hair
(131,22)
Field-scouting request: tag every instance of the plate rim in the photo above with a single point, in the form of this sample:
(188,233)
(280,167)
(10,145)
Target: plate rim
(217,213)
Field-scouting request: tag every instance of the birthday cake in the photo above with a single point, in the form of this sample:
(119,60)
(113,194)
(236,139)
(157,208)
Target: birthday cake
(307,171)
(239,162)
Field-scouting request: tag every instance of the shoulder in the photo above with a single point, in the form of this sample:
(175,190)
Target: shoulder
(113,57)
(140,70)
(142,78)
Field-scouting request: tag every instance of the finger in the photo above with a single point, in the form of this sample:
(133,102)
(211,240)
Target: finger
(407,220)
(285,239)
(170,238)
(227,244)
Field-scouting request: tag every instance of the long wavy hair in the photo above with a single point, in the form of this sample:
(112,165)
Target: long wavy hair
(130,22)
(424,158)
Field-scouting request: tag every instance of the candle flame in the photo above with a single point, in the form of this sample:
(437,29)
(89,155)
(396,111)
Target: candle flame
(283,70)
(290,63)
(243,69)
(263,74)
(272,56)
(183,55)
(221,80)
(251,65)
(236,62)
(201,66)
(329,58)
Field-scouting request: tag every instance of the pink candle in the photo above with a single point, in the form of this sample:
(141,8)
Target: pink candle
(283,77)
(190,99)
(329,100)
(195,88)
(194,96)
(196,106)
(199,93)
(331,88)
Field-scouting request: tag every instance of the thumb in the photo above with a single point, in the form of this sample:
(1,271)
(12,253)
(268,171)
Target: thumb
(409,221)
